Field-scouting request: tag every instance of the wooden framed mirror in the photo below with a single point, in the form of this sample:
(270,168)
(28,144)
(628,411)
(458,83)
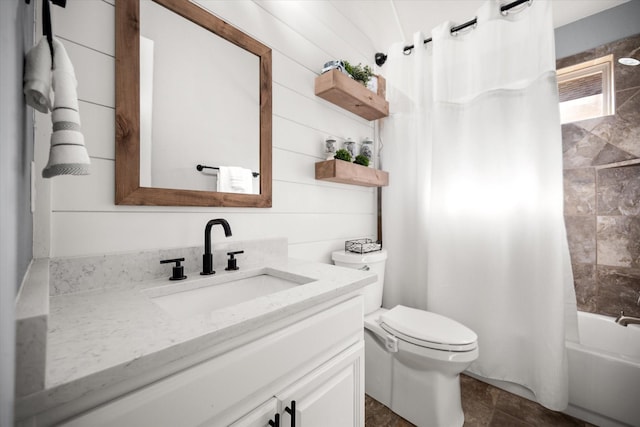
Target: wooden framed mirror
(133,189)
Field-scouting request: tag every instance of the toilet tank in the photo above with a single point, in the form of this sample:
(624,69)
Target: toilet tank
(372,261)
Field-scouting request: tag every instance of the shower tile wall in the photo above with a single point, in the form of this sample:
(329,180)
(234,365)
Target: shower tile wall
(602,192)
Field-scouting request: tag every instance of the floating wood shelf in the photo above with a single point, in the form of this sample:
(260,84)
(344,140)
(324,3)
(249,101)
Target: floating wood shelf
(338,88)
(351,173)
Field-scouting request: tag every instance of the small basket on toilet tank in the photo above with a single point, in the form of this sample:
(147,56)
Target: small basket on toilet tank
(362,246)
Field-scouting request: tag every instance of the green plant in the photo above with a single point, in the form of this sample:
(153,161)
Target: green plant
(361,160)
(343,154)
(358,72)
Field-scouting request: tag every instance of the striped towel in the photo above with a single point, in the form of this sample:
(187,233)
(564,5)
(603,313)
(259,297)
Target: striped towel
(67,155)
(37,77)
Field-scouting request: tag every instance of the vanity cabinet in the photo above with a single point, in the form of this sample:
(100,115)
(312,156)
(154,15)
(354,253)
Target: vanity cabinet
(317,361)
(328,396)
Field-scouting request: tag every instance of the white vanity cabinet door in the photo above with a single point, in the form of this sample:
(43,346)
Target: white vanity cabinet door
(332,395)
(260,416)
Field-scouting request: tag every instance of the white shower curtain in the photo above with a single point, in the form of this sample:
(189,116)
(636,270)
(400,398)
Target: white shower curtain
(473,215)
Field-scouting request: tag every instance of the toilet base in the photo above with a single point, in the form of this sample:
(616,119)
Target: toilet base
(428,399)
(425,397)
(378,366)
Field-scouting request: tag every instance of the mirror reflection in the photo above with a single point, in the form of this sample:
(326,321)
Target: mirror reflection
(193,108)
(199,105)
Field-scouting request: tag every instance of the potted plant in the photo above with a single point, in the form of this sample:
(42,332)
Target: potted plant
(358,72)
(361,160)
(343,154)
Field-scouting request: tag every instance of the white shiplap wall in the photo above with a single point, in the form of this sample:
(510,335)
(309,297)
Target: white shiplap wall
(77,216)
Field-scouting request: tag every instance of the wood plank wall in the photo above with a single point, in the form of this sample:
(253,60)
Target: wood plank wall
(76,216)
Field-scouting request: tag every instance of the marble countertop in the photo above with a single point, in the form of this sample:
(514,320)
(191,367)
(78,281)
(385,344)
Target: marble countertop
(99,338)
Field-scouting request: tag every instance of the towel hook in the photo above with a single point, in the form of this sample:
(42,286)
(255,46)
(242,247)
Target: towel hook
(61,3)
(47,31)
(46,26)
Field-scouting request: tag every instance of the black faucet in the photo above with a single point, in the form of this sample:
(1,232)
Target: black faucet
(207,257)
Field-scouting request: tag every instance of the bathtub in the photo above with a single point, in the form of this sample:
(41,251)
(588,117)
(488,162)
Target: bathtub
(604,373)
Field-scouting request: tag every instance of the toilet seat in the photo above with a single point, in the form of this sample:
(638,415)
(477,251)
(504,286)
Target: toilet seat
(426,329)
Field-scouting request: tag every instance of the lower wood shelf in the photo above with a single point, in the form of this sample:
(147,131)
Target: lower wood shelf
(351,173)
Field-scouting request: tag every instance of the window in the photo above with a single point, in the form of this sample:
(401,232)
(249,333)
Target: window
(586,90)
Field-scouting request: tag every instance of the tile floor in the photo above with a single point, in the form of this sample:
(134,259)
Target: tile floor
(484,406)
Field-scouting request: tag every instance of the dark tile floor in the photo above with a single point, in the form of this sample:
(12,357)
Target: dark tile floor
(484,406)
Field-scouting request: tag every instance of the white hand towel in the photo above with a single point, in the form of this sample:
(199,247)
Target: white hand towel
(67,155)
(233,179)
(37,77)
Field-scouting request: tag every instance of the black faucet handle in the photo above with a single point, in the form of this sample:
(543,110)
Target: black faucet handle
(232,262)
(178,270)
(176,260)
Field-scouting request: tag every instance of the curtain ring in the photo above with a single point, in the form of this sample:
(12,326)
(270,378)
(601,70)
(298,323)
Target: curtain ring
(407,50)
(517,9)
(465,29)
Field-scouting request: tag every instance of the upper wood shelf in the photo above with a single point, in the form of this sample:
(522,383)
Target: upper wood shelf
(338,88)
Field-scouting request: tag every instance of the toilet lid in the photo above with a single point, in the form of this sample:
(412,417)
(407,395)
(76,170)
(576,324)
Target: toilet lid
(428,329)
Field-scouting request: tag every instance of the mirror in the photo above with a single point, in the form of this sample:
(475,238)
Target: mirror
(214,112)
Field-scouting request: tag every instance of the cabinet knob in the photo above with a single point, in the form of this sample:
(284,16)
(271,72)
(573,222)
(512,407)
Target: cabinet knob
(292,411)
(275,422)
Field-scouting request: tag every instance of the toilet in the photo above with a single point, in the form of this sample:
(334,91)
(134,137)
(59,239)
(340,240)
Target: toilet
(413,358)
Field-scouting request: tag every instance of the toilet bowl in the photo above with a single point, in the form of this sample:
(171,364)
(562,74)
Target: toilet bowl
(413,358)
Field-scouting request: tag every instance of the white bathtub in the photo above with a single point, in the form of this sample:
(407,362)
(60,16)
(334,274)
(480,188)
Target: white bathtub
(604,372)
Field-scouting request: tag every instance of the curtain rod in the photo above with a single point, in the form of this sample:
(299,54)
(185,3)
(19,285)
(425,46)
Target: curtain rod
(381,58)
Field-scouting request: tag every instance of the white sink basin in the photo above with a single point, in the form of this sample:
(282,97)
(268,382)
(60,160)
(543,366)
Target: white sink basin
(210,294)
